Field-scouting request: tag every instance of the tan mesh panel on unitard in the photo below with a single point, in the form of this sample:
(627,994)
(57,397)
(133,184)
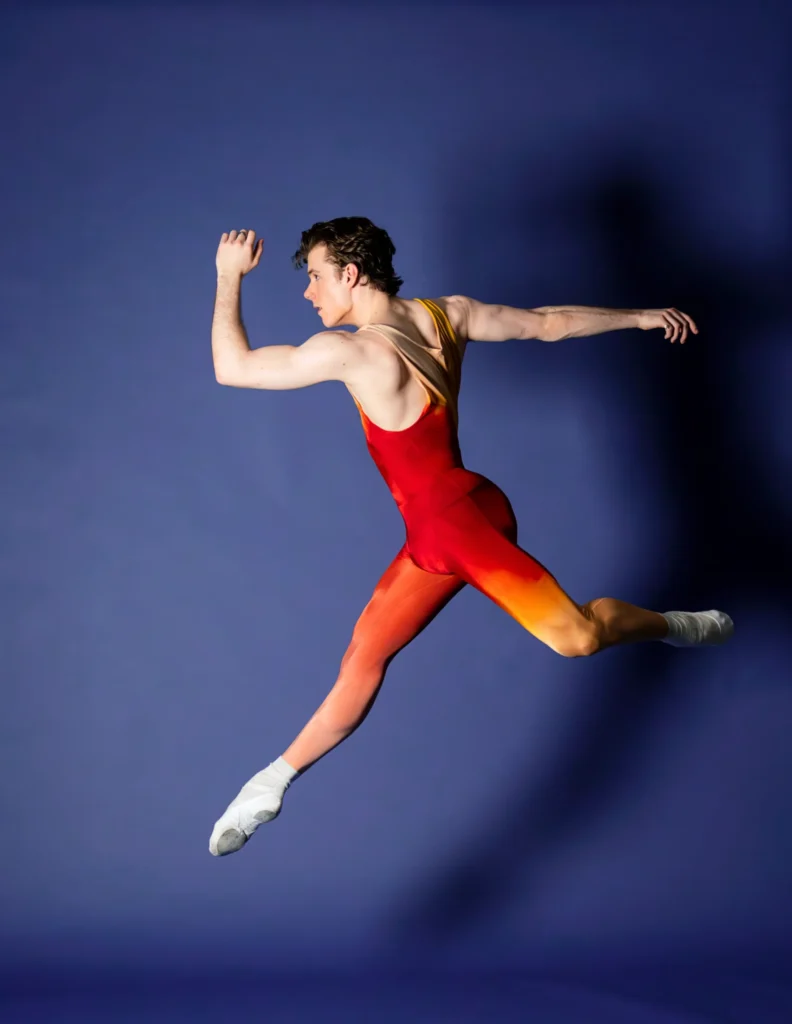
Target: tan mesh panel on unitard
(442,379)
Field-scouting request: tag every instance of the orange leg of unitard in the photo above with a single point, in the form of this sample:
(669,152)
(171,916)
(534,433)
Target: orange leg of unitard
(473,541)
(404,602)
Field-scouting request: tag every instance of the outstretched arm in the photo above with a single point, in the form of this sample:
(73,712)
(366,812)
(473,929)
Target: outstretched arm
(324,356)
(554,323)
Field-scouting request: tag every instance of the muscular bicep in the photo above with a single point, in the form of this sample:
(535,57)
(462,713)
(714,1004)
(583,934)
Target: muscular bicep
(486,322)
(328,355)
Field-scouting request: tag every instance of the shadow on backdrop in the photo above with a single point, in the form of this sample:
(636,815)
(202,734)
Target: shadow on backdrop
(732,538)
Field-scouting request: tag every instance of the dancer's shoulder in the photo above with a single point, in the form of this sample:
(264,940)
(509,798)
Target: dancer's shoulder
(454,308)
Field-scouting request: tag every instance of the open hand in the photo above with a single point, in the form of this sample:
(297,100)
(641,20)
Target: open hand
(238,252)
(674,323)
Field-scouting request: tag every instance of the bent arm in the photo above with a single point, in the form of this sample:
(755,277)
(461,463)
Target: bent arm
(547,323)
(229,338)
(324,356)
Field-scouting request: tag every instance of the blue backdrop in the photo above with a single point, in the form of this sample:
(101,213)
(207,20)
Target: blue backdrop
(183,563)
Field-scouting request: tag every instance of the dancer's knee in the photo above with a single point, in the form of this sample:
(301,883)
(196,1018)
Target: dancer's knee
(578,639)
(590,632)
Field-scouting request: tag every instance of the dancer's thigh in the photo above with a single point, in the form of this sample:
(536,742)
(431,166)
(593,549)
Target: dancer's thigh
(479,545)
(404,602)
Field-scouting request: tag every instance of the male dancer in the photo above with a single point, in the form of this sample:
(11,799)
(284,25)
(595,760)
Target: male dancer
(402,367)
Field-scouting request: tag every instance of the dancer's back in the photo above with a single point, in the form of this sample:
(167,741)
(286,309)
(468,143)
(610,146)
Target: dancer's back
(419,347)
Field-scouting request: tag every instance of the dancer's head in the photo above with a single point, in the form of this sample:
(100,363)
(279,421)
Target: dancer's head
(345,258)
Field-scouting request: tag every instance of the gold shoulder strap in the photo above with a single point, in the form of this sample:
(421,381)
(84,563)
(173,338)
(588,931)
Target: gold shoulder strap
(452,357)
(441,319)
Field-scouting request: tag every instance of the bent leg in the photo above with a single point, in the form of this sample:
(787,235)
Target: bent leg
(479,536)
(404,602)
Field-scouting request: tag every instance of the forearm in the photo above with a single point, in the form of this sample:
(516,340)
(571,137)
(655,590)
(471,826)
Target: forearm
(581,321)
(229,338)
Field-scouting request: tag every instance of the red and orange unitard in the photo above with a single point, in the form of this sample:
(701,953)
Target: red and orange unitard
(460,526)
(460,529)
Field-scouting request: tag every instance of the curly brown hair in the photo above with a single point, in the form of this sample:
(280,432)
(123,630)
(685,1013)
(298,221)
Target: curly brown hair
(354,240)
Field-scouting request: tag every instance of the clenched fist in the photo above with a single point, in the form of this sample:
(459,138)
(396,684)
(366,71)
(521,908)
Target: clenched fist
(238,252)
(674,323)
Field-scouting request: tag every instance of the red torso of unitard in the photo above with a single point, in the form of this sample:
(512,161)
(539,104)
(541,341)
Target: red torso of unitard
(422,464)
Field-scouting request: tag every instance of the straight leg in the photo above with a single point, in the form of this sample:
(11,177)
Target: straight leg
(404,602)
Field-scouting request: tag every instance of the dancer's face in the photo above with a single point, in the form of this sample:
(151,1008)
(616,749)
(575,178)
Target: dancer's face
(329,289)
